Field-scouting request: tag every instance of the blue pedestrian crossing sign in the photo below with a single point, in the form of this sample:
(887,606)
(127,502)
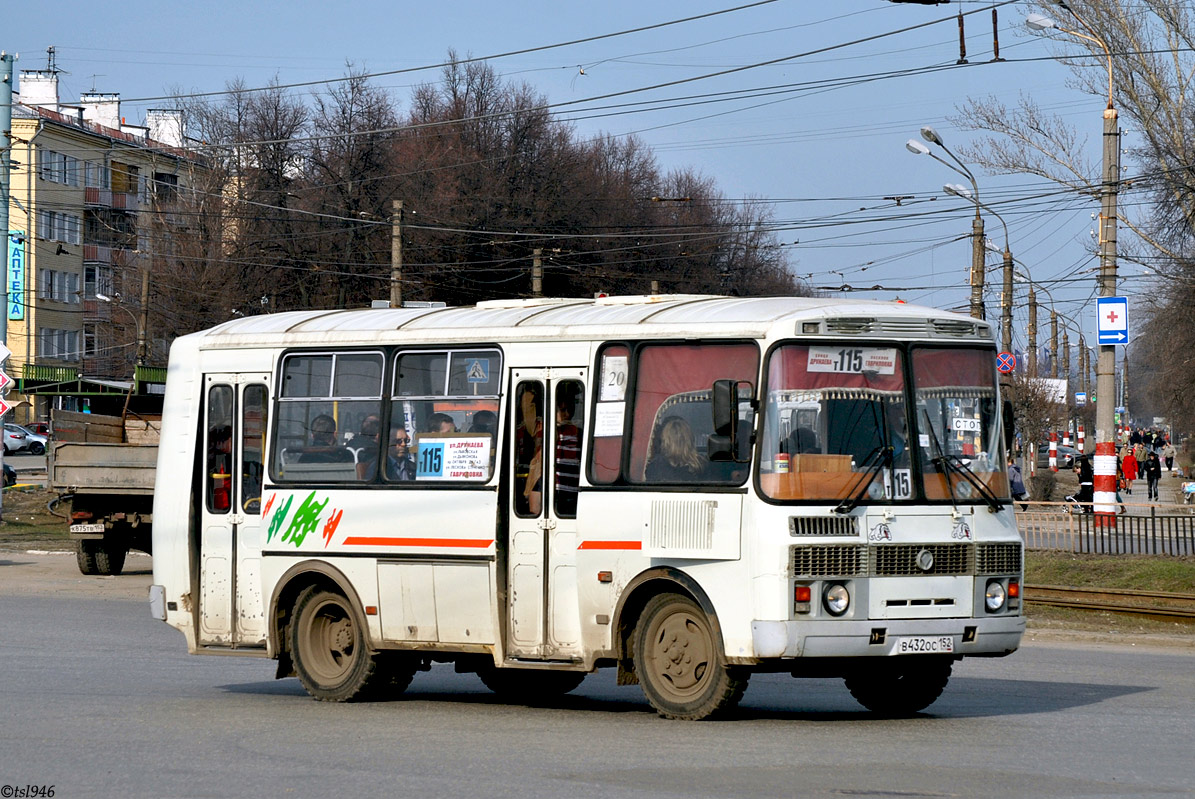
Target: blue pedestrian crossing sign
(478,370)
(1112,320)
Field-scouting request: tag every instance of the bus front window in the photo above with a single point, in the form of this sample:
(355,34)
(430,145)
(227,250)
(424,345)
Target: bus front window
(958,422)
(833,414)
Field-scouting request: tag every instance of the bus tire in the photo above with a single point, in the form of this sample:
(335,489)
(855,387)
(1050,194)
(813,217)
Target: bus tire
(85,552)
(679,661)
(328,648)
(897,687)
(529,685)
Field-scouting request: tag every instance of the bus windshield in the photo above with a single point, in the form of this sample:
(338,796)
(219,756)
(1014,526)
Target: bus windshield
(835,414)
(958,423)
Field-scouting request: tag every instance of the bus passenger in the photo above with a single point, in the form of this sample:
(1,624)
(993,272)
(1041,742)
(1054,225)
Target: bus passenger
(676,460)
(440,424)
(529,443)
(324,448)
(568,456)
(367,451)
(399,463)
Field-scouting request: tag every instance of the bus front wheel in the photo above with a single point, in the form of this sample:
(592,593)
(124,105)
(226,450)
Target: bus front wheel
(679,661)
(899,686)
(328,647)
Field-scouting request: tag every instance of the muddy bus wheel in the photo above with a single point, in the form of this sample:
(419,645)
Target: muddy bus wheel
(679,662)
(328,647)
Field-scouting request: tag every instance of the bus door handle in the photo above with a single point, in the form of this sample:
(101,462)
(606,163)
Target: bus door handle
(236,518)
(547,524)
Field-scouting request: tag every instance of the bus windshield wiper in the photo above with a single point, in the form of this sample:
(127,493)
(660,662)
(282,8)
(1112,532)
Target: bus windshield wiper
(971,477)
(875,461)
(939,460)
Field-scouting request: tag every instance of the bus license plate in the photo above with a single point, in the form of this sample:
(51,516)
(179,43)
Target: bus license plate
(87,528)
(921,644)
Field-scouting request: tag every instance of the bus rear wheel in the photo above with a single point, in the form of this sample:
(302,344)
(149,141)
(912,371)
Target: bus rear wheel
(679,661)
(328,647)
(897,687)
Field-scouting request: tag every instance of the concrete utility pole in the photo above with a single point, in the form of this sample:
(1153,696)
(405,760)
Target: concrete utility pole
(537,272)
(1032,332)
(977,265)
(6,79)
(143,328)
(1053,343)
(396,254)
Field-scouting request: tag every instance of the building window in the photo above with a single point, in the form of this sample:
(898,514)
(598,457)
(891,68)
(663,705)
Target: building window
(59,167)
(58,286)
(90,348)
(59,226)
(97,175)
(59,344)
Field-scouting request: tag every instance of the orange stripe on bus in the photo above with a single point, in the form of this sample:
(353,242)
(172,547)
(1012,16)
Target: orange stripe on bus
(611,545)
(384,541)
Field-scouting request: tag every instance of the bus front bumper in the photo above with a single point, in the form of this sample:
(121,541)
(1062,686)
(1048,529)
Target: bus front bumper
(998,635)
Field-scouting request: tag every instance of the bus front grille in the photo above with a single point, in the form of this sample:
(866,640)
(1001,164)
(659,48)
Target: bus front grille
(830,561)
(998,558)
(898,560)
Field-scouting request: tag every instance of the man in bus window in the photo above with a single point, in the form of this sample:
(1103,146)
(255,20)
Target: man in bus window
(366,442)
(324,448)
(439,424)
(399,463)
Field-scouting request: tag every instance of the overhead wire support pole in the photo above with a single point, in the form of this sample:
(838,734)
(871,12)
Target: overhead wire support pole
(6,80)
(396,254)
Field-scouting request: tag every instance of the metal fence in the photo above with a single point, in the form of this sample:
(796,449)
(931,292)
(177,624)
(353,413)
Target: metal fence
(1143,529)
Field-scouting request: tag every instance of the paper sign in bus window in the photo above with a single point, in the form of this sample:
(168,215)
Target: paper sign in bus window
(614,379)
(458,459)
(852,360)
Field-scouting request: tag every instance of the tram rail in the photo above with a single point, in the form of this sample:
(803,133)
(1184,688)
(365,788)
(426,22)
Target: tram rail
(1160,605)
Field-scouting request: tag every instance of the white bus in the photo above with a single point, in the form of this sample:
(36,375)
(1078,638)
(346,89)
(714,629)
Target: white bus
(688,489)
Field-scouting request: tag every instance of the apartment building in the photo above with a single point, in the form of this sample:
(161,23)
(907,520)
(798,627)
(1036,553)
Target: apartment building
(92,203)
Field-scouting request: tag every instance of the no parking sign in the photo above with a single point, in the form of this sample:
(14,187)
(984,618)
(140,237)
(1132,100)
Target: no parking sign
(1006,362)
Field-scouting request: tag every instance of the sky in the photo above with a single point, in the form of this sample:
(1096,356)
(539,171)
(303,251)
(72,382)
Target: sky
(839,88)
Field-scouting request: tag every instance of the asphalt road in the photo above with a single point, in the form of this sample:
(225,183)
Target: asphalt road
(101,700)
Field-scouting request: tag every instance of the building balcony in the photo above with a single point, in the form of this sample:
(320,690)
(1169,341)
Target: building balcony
(97,253)
(94,195)
(122,201)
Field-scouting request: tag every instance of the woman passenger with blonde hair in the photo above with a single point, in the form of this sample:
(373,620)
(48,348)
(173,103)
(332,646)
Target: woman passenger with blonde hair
(675,459)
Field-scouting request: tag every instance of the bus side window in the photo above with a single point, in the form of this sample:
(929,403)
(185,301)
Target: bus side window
(218,466)
(569,397)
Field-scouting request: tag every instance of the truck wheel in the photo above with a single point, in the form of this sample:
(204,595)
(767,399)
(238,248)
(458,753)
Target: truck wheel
(679,661)
(109,558)
(328,647)
(85,552)
(899,686)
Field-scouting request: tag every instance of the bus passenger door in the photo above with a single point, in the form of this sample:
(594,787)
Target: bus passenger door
(543,620)
(231,610)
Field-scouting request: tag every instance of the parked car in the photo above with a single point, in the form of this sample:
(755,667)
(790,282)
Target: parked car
(41,428)
(34,443)
(15,439)
(10,476)
(1066,456)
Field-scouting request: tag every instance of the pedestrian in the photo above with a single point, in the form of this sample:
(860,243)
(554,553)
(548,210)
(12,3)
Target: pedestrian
(1016,483)
(1168,453)
(1129,467)
(1086,493)
(1153,473)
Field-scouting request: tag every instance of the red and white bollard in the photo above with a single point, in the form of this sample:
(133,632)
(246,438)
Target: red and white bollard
(1104,485)
(1066,436)
(1082,448)
(1053,452)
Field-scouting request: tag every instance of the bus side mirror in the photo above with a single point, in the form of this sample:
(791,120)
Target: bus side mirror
(725,444)
(1009,423)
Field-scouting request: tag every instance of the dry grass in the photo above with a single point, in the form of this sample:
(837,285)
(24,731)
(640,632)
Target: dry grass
(28,524)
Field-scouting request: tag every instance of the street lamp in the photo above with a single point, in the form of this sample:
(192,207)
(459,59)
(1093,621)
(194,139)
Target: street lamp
(917,148)
(115,303)
(1105,412)
(1006,296)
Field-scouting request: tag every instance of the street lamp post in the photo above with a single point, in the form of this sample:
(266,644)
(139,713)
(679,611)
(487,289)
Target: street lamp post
(977,266)
(1105,371)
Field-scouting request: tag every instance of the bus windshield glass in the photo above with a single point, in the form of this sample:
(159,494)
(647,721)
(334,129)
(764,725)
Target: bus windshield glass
(958,423)
(835,426)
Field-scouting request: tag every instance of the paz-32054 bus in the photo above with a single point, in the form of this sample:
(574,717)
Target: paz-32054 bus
(688,489)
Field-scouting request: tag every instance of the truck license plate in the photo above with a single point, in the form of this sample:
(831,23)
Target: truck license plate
(87,528)
(924,644)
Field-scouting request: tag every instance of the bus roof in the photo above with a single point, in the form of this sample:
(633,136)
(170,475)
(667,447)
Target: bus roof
(604,317)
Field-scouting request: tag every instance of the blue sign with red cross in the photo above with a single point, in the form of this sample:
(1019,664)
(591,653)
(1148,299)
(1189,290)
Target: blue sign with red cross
(1006,362)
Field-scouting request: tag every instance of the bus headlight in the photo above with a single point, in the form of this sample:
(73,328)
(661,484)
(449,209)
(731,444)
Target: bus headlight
(994,596)
(836,599)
